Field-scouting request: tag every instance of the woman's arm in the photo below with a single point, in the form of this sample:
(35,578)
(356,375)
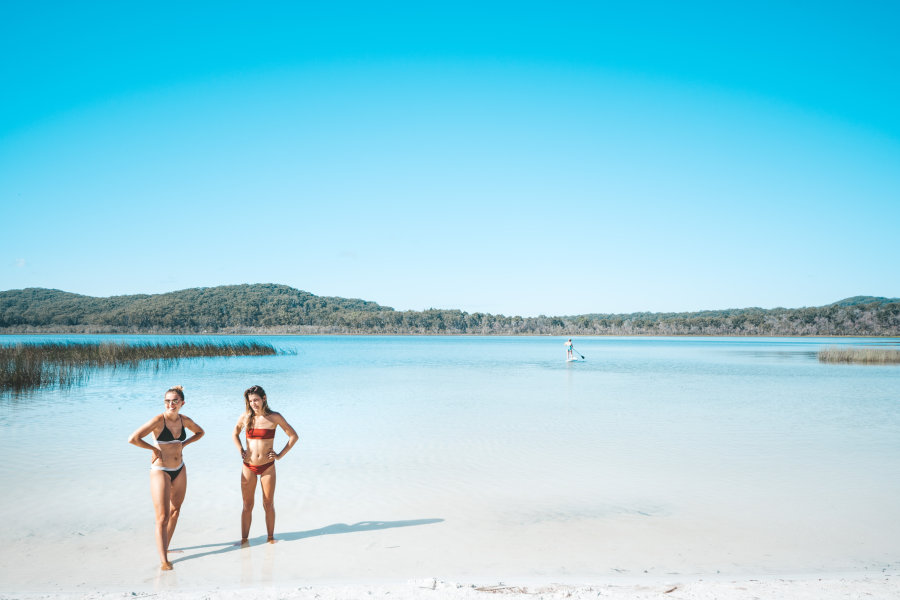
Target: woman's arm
(144,430)
(292,435)
(193,427)
(236,436)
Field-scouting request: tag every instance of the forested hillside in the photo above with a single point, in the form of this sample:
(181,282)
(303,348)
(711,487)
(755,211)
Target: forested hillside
(270,308)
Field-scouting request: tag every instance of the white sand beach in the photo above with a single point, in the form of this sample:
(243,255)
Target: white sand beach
(883,587)
(378,560)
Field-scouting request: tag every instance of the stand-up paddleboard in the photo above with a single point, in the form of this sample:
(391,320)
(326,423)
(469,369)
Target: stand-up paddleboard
(571,352)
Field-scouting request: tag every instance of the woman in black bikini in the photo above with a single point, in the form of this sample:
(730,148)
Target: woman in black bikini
(168,475)
(259,457)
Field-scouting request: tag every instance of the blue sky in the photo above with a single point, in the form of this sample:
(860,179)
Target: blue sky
(516,158)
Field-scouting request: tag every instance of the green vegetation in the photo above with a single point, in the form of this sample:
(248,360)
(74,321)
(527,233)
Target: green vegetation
(269,308)
(869,356)
(27,366)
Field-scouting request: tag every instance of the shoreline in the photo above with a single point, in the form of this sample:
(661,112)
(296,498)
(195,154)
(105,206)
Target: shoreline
(461,335)
(822,586)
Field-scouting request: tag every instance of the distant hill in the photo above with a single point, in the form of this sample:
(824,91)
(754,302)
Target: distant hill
(196,309)
(856,300)
(271,308)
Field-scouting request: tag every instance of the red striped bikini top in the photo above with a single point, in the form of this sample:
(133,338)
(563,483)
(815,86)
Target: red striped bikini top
(260,434)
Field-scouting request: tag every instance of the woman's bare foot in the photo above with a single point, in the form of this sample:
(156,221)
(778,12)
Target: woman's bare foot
(271,540)
(166,566)
(244,543)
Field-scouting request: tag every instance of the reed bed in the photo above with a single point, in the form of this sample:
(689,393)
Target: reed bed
(29,366)
(869,356)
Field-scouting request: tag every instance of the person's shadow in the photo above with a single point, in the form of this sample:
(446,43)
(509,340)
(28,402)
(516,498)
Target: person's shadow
(292,536)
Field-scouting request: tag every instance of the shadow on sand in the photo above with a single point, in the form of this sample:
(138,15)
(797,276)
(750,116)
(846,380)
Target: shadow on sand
(292,536)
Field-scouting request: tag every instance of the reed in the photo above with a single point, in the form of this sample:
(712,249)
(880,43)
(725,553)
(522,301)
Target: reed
(871,356)
(35,365)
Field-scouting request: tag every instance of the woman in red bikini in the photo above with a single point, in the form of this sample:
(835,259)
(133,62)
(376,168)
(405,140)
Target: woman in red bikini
(168,475)
(259,457)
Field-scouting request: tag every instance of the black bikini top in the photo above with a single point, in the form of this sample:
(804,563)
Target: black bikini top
(166,437)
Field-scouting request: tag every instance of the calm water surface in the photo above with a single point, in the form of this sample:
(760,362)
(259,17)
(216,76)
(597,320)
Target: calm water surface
(676,454)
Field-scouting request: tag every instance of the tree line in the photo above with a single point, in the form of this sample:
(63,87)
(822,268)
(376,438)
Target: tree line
(271,308)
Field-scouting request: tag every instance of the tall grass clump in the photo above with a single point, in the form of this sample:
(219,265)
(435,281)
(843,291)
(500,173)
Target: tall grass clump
(28,366)
(869,356)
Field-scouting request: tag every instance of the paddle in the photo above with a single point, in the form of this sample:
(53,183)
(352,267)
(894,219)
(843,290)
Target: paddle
(578,353)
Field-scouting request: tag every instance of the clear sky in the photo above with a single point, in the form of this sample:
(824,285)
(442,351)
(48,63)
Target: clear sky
(516,158)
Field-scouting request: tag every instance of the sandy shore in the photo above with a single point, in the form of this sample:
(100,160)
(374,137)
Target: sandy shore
(393,559)
(884,586)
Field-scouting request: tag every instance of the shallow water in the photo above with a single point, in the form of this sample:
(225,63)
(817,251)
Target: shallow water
(474,457)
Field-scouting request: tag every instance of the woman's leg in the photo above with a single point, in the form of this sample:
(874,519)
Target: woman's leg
(248,490)
(161,491)
(267,480)
(179,487)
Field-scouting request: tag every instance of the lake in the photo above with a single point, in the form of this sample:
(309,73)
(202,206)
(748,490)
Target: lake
(467,457)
